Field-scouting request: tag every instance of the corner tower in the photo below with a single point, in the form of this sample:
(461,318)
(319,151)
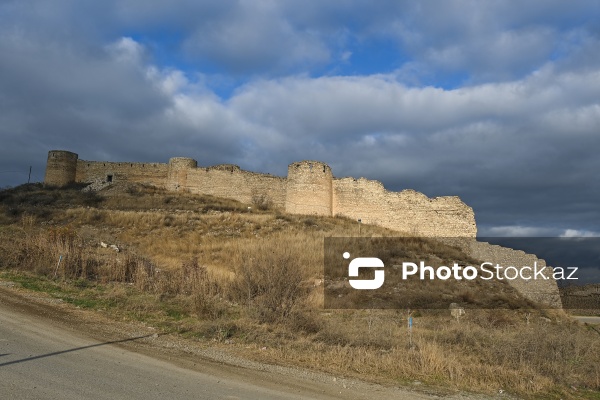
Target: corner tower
(61,168)
(178,168)
(309,188)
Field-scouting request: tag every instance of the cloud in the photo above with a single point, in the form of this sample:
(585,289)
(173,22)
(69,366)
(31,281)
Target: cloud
(256,37)
(492,40)
(486,101)
(476,41)
(574,233)
(126,51)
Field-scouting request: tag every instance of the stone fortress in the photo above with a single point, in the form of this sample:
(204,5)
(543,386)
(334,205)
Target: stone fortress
(310,189)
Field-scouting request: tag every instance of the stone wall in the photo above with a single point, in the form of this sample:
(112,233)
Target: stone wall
(61,168)
(539,290)
(177,175)
(146,173)
(406,211)
(232,182)
(543,291)
(309,188)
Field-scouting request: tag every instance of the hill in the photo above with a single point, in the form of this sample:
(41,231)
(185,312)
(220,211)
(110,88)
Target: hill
(250,278)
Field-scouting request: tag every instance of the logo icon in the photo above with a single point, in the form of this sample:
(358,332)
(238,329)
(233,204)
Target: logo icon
(365,262)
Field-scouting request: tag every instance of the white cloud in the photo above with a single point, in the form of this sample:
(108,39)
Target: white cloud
(363,105)
(126,50)
(574,233)
(169,81)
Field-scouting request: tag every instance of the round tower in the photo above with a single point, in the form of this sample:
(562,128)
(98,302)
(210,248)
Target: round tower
(178,167)
(309,188)
(61,168)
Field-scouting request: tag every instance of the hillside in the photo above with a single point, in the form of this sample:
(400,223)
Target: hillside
(248,277)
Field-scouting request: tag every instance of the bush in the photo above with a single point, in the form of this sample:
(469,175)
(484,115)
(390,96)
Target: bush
(262,202)
(269,283)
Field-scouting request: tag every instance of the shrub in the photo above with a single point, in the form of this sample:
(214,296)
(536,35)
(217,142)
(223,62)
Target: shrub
(262,202)
(269,283)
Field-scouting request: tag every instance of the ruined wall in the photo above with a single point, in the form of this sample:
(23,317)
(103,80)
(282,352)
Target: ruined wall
(232,182)
(541,291)
(177,175)
(406,211)
(98,171)
(61,168)
(309,188)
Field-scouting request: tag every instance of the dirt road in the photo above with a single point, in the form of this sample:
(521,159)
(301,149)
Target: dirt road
(51,350)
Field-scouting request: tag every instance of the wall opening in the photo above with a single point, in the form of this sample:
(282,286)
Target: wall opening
(109,178)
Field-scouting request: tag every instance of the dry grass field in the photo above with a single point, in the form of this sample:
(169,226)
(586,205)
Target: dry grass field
(250,277)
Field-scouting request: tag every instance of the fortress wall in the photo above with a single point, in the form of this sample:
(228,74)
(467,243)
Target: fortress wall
(61,168)
(231,182)
(309,188)
(147,173)
(178,167)
(361,198)
(439,216)
(541,291)
(407,211)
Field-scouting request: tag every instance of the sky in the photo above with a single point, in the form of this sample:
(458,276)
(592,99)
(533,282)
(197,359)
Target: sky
(497,102)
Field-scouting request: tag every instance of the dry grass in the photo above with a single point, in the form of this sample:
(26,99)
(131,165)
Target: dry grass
(210,268)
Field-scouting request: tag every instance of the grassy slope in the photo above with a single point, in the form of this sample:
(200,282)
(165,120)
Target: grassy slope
(212,269)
